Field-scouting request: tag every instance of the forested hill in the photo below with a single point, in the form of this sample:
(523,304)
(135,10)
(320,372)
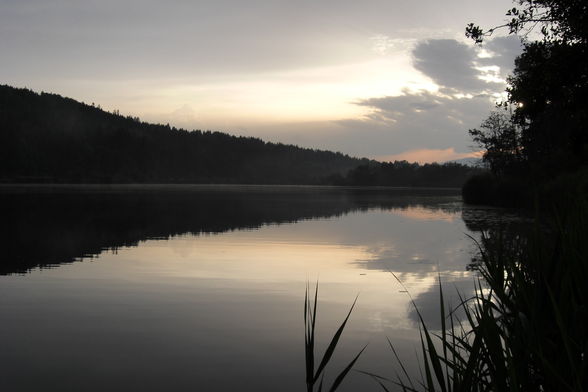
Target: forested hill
(48,138)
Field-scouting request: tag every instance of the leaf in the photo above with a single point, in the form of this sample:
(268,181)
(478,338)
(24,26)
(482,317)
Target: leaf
(331,348)
(342,375)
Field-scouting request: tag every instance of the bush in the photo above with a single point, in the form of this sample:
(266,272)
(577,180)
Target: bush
(491,190)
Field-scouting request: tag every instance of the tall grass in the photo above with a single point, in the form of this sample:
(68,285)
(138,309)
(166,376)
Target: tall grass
(316,377)
(524,328)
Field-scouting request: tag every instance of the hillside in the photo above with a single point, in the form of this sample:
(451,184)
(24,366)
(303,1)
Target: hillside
(48,138)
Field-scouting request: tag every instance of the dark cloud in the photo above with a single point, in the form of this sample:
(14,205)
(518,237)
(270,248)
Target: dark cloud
(449,63)
(455,66)
(422,119)
(439,120)
(503,50)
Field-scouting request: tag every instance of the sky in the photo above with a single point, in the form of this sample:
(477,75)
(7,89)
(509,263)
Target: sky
(383,79)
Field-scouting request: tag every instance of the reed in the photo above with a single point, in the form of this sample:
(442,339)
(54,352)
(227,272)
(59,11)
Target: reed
(316,377)
(524,326)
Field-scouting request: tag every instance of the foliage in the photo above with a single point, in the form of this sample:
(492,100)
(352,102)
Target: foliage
(500,137)
(550,88)
(486,188)
(524,326)
(558,21)
(316,377)
(48,138)
(547,134)
(405,174)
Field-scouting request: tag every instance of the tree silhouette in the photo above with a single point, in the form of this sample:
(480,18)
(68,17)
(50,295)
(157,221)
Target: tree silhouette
(548,89)
(48,138)
(500,136)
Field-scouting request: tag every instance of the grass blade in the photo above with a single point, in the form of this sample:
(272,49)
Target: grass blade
(341,376)
(334,341)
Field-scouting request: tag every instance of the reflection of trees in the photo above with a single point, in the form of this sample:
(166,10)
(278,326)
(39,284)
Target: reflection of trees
(494,227)
(479,219)
(59,226)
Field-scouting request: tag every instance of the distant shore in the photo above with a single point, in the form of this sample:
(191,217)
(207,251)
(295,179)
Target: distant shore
(46,187)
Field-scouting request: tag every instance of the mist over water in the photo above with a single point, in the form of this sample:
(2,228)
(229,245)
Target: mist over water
(201,287)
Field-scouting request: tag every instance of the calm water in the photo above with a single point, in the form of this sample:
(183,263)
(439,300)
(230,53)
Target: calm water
(202,287)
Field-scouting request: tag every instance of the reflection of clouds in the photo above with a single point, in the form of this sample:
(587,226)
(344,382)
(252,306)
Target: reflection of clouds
(425,238)
(388,320)
(430,242)
(428,302)
(382,251)
(423,213)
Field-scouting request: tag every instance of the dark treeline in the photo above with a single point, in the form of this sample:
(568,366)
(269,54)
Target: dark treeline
(50,225)
(537,144)
(48,138)
(405,174)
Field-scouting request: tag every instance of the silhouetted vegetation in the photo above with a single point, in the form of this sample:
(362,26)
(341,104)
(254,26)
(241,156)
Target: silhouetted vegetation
(486,188)
(523,328)
(45,138)
(50,139)
(316,377)
(405,174)
(546,133)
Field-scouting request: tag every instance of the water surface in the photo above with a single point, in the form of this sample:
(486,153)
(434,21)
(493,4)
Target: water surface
(201,287)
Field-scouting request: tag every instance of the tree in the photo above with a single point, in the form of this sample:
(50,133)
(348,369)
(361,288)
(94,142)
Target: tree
(500,137)
(564,21)
(549,85)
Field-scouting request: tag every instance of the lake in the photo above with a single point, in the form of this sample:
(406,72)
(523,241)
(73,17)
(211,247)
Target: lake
(178,288)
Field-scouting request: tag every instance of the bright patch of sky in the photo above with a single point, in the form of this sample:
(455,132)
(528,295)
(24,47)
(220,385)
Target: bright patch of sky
(379,78)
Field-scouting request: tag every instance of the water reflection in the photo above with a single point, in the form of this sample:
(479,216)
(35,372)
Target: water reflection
(47,226)
(217,305)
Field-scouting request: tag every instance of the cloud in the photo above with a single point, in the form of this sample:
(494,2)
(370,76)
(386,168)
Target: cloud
(393,125)
(501,52)
(422,120)
(450,64)
(429,125)
(426,155)
(185,117)
(416,125)
(383,44)
(459,68)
